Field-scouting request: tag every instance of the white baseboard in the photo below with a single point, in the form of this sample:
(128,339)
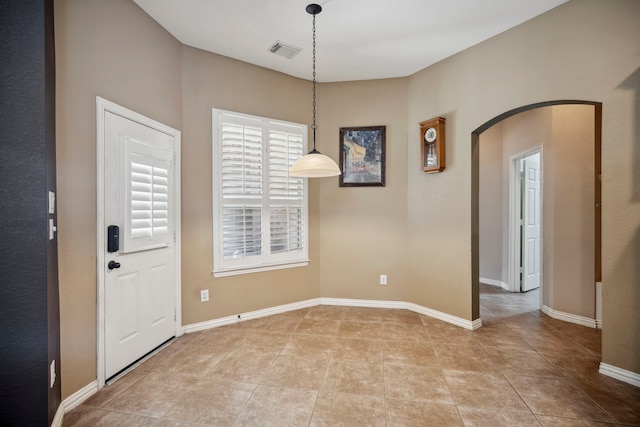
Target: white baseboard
(494,282)
(599,305)
(620,374)
(467,324)
(72,401)
(229,320)
(80,396)
(567,317)
(458,321)
(57,419)
(346,302)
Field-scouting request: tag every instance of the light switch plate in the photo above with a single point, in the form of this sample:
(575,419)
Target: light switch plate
(52,229)
(52,202)
(52,374)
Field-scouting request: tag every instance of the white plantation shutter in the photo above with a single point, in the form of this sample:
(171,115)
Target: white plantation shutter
(286,219)
(260,212)
(160,202)
(149,201)
(146,214)
(284,149)
(141,201)
(241,161)
(241,231)
(287,228)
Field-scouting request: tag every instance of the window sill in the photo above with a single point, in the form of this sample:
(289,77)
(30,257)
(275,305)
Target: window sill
(258,269)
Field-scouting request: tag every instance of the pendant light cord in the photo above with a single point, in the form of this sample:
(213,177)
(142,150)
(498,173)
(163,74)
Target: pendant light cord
(314,164)
(313,126)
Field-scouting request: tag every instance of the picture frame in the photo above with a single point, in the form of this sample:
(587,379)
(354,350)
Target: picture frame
(362,156)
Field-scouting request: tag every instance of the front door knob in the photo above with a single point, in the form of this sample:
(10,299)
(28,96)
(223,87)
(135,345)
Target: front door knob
(113,264)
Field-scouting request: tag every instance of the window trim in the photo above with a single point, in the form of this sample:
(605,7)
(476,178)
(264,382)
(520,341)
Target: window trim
(275,261)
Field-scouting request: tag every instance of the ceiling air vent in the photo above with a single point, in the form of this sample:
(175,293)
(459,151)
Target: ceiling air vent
(284,50)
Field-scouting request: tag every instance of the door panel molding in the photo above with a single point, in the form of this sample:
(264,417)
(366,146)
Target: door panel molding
(514,218)
(531,227)
(103,107)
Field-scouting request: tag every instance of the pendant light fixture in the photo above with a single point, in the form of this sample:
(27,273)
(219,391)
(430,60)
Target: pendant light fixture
(314,164)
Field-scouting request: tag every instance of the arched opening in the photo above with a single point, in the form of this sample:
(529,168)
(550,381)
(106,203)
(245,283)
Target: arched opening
(565,294)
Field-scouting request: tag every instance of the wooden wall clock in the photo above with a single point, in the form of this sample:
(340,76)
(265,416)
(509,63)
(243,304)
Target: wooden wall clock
(432,152)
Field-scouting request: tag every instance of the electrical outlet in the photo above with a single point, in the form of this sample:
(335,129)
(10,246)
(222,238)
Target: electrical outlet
(383,279)
(204,295)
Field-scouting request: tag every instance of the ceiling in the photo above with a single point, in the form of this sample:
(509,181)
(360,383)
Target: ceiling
(356,39)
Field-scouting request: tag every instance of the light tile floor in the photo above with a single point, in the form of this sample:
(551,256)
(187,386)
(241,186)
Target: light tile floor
(347,366)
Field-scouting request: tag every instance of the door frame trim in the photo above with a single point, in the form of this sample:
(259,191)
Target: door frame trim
(103,106)
(514,215)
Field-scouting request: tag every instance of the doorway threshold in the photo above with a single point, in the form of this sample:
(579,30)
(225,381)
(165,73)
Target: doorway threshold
(138,362)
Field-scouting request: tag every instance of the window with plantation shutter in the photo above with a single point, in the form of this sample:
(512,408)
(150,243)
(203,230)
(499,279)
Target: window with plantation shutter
(260,213)
(145,205)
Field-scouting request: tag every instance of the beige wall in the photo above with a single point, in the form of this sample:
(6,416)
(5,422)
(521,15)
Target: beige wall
(547,58)
(143,68)
(569,203)
(114,50)
(422,222)
(363,229)
(215,81)
(491,206)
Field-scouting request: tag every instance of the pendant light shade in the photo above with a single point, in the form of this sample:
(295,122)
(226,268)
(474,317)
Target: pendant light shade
(314,164)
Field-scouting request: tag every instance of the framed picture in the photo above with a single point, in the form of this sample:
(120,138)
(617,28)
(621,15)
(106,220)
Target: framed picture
(362,156)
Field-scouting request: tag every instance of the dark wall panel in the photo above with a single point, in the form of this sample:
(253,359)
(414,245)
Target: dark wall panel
(29,314)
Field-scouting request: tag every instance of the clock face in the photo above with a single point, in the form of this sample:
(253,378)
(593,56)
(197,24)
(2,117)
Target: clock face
(430,135)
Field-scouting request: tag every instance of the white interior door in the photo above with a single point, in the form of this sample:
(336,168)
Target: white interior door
(139,302)
(531,216)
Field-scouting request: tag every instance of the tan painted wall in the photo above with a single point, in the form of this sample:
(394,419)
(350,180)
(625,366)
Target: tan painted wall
(547,58)
(215,81)
(569,183)
(492,205)
(363,229)
(114,50)
(143,68)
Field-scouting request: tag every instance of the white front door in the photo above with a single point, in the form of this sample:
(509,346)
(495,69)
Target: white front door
(140,274)
(531,218)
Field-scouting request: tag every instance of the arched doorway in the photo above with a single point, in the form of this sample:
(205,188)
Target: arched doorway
(560,166)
